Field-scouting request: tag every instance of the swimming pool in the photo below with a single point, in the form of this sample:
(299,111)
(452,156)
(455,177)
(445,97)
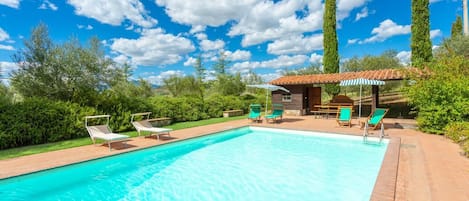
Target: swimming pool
(248,163)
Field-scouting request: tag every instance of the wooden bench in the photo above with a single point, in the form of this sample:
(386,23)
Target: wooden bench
(159,122)
(232,113)
(327,110)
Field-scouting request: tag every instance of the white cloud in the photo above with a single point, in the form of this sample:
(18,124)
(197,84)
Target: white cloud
(316,58)
(122,59)
(203,13)
(6,68)
(207,45)
(3,35)
(296,45)
(10,3)
(268,21)
(279,62)
(114,12)
(197,29)
(386,29)
(87,27)
(271,76)
(190,61)
(363,14)
(6,47)
(154,47)
(238,55)
(353,41)
(48,5)
(435,33)
(344,7)
(158,79)
(404,57)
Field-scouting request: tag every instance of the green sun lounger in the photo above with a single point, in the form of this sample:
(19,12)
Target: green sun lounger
(254,112)
(375,119)
(277,113)
(344,116)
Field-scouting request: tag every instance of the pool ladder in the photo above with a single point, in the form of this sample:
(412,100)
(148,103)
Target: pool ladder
(366,134)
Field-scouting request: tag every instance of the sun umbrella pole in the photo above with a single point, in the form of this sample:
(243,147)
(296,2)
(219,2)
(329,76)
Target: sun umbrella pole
(266,101)
(360,106)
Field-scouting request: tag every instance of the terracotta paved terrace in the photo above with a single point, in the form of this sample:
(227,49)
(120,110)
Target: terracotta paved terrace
(430,167)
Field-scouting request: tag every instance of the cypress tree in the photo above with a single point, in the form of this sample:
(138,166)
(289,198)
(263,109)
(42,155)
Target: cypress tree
(331,50)
(456,28)
(421,45)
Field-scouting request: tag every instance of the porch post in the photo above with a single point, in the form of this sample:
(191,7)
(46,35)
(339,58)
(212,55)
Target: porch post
(374,97)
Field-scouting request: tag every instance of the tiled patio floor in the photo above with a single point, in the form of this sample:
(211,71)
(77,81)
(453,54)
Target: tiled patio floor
(430,167)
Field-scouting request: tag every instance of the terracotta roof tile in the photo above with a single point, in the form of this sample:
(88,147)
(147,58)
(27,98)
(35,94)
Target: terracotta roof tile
(385,74)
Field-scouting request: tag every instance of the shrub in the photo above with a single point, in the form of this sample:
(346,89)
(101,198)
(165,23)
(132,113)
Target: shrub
(441,96)
(120,108)
(37,121)
(457,131)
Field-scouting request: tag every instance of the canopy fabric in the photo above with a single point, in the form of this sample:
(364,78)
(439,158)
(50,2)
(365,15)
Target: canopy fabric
(361,81)
(269,87)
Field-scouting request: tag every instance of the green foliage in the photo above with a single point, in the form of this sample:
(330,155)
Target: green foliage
(384,61)
(369,62)
(456,28)
(6,95)
(184,86)
(421,44)
(192,109)
(120,107)
(454,46)
(38,120)
(199,69)
(66,72)
(331,50)
(220,66)
(229,85)
(457,131)
(441,96)
(252,78)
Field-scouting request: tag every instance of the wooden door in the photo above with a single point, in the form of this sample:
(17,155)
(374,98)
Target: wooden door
(314,97)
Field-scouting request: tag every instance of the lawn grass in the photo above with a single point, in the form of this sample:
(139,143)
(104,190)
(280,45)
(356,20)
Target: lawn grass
(35,149)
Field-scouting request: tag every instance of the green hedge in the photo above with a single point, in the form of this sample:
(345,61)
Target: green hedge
(37,121)
(459,133)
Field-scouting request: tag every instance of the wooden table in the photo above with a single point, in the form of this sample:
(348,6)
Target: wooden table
(326,110)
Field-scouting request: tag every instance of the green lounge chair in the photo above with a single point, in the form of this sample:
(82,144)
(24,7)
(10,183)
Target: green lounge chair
(344,116)
(375,118)
(255,112)
(277,113)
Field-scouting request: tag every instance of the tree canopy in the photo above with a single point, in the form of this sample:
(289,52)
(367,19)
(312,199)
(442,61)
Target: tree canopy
(68,71)
(331,50)
(421,44)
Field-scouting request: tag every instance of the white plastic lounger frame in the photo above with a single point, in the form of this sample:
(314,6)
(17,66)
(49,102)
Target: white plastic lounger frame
(103,132)
(145,125)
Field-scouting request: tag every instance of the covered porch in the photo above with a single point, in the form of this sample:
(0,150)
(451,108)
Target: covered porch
(305,90)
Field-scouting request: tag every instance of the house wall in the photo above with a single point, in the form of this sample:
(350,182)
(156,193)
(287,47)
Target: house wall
(296,106)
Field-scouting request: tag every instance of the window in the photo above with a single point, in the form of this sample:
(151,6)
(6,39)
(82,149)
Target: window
(286,98)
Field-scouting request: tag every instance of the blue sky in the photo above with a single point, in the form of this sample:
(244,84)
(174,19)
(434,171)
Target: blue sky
(160,38)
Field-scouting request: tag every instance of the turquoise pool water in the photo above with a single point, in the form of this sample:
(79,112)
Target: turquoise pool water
(248,163)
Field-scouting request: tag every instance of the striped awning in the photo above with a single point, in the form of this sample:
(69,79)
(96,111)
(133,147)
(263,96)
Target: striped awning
(360,81)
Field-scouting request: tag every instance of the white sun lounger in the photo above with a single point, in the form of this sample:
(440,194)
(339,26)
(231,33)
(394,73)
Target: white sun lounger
(145,126)
(103,132)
